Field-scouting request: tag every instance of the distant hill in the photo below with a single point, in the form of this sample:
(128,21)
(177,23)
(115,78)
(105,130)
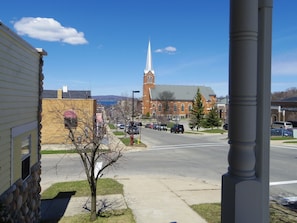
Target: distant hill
(108,100)
(109,97)
(290,93)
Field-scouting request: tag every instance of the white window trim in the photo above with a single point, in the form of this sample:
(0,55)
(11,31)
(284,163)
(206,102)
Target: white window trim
(16,131)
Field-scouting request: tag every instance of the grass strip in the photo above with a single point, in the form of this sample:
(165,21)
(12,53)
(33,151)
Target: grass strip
(118,216)
(118,133)
(212,212)
(105,186)
(63,151)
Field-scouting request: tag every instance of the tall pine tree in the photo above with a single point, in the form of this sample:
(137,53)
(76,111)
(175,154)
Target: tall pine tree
(197,112)
(212,119)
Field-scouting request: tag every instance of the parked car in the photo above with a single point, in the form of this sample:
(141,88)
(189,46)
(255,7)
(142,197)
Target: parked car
(133,130)
(177,128)
(294,123)
(162,127)
(225,126)
(281,125)
(121,126)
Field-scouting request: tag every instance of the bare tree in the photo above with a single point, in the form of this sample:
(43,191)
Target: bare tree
(165,97)
(290,92)
(96,148)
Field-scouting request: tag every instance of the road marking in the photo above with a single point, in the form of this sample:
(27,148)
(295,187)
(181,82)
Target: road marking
(283,182)
(186,146)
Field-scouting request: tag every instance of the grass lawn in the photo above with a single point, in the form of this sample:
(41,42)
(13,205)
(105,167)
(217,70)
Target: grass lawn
(284,139)
(126,141)
(118,133)
(215,130)
(44,152)
(121,216)
(105,186)
(210,212)
(278,213)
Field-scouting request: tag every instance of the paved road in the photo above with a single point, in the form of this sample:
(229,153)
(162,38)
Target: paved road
(200,156)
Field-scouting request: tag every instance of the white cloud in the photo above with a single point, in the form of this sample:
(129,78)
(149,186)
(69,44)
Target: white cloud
(49,29)
(168,49)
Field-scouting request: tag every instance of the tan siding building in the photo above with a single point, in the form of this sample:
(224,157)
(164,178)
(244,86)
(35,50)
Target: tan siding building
(20,89)
(53,114)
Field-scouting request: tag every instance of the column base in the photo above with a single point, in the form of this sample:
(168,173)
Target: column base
(241,200)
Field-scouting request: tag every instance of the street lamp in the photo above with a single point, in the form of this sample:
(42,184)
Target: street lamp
(133,105)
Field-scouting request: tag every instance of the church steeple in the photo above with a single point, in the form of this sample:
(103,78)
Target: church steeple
(148,82)
(149,65)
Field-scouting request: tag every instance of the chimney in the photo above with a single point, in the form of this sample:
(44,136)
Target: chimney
(59,94)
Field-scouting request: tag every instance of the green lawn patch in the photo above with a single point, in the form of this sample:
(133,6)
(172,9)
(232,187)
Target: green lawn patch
(221,131)
(137,143)
(111,126)
(212,213)
(280,138)
(193,132)
(118,133)
(63,151)
(118,216)
(291,141)
(105,186)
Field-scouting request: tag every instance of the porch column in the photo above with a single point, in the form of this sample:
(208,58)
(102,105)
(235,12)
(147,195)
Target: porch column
(240,188)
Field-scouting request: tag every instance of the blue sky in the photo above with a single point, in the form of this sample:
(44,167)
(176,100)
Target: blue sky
(101,45)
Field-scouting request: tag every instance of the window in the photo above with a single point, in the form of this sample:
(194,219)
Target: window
(174,107)
(160,108)
(190,108)
(70,119)
(24,139)
(183,107)
(26,151)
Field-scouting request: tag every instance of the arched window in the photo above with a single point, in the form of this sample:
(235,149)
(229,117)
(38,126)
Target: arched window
(175,107)
(160,107)
(70,119)
(182,107)
(190,108)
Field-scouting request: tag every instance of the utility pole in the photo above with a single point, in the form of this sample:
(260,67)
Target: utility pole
(133,105)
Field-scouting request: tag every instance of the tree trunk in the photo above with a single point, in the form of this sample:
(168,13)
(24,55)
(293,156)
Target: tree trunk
(93,216)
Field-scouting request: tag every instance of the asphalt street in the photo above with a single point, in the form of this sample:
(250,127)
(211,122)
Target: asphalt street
(203,157)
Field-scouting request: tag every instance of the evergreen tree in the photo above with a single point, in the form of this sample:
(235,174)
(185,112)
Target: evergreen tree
(197,112)
(212,119)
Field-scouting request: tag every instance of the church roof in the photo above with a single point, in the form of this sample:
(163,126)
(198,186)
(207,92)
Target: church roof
(181,92)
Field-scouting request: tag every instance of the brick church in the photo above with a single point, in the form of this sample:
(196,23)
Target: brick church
(173,101)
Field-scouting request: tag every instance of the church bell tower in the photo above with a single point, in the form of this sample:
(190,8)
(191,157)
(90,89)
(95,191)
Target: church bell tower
(148,82)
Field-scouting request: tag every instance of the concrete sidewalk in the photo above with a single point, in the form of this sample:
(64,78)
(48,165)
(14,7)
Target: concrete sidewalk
(152,199)
(167,199)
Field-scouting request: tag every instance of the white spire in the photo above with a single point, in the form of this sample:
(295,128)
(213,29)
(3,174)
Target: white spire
(149,65)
